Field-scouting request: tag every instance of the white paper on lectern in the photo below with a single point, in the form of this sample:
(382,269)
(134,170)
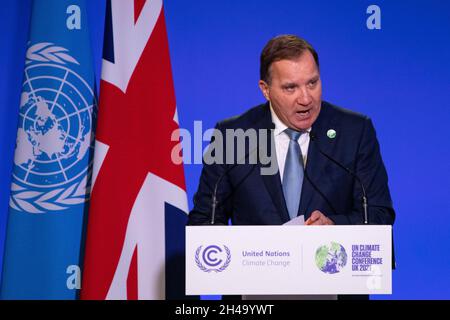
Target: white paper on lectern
(298,221)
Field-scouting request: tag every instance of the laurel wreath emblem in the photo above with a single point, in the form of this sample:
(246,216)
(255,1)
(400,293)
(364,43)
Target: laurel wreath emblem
(36,201)
(48,52)
(55,200)
(205,269)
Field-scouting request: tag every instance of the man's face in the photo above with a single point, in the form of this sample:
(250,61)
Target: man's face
(295,91)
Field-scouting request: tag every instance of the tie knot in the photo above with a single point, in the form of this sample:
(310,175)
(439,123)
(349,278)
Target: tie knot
(292,134)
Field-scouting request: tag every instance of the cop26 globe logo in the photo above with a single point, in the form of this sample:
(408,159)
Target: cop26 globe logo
(52,159)
(213,258)
(331,258)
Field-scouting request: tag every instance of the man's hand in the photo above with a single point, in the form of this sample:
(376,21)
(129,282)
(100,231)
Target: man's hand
(317,218)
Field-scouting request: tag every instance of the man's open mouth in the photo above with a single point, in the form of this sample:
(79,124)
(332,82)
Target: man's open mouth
(304,113)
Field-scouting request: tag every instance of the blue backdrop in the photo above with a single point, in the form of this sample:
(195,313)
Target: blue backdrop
(398,75)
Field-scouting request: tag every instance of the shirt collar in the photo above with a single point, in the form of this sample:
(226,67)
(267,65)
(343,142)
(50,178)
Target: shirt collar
(279,126)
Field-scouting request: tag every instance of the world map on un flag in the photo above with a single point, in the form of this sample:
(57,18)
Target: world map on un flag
(53,157)
(331,258)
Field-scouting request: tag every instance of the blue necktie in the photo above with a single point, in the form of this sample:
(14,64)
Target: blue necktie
(293,173)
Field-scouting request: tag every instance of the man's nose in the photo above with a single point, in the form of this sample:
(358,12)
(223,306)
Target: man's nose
(304,98)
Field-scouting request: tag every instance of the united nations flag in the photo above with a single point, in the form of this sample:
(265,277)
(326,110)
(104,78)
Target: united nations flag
(53,157)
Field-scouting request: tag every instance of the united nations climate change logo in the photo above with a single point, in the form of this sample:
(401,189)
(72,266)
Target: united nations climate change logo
(53,155)
(213,258)
(331,258)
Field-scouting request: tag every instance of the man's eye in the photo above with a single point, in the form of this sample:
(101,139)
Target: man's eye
(289,89)
(313,83)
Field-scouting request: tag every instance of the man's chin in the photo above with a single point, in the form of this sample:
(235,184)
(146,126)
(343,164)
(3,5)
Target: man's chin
(302,125)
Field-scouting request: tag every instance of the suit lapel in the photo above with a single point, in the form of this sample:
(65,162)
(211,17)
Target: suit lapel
(316,163)
(272,182)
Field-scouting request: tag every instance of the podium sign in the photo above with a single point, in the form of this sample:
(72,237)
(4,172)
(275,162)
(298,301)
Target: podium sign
(288,260)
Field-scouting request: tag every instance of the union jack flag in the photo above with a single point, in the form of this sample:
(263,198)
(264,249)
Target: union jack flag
(138,193)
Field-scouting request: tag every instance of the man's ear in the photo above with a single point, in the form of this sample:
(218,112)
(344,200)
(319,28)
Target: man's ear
(264,89)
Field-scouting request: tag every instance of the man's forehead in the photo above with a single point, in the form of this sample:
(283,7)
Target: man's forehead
(303,65)
(287,74)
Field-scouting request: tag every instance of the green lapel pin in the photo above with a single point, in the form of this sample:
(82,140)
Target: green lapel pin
(331,134)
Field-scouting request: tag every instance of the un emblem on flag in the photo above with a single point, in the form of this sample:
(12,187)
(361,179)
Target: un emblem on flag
(53,157)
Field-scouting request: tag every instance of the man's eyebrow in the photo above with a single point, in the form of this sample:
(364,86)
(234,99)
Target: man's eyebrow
(289,84)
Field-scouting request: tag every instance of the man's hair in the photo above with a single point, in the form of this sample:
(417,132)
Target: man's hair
(283,47)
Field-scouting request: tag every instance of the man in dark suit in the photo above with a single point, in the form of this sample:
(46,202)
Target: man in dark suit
(304,133)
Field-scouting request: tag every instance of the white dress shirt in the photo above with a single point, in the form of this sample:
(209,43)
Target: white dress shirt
(282,142)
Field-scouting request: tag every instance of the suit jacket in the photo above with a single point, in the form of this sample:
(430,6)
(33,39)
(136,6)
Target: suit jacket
(250,198)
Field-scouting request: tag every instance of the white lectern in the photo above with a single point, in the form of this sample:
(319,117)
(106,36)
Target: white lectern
(288,260)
